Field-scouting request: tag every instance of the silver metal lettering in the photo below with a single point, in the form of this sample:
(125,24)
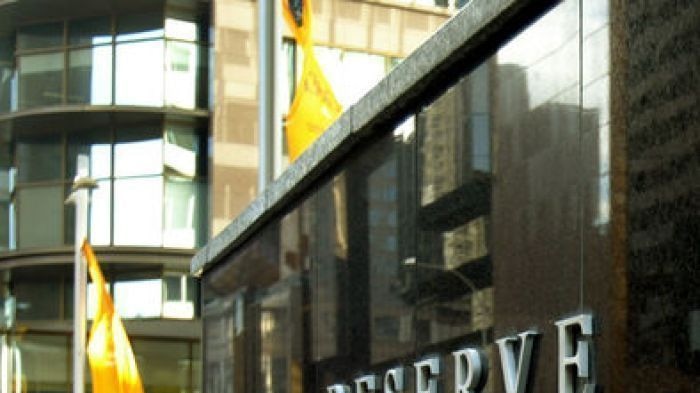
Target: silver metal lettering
(366,384)
(427,372)
(515,376)
(470,370)
(338,388)
(575,353)
(394,380)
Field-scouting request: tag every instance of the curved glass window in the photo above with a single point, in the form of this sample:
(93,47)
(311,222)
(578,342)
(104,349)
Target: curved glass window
(90,75)
(7,75)
(138,215)
(92,31)
(40,211)
(7,181)
(41,361)
(136,59)
(100,227)
(181,69)
(129,295)
(141,290)
(139,27)
(138,151)
(139,73)
(40,79)
(40,156)
(48,35)
(152,187)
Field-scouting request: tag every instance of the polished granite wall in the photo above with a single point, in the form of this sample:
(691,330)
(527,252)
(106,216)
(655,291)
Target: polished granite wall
(557,176)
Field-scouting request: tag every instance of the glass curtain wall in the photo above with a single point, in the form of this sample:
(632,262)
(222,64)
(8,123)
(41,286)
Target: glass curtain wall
(166,365)
(155,59)
(7,180)
(45,293)
(8,75)
(153,174)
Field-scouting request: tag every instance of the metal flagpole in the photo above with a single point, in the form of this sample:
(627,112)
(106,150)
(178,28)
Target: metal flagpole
(80,197)
(269,117)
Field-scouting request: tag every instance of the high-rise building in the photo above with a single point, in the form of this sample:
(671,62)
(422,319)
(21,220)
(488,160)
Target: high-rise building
(161,96)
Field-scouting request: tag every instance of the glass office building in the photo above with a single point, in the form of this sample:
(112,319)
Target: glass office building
(520,194)
(127,85)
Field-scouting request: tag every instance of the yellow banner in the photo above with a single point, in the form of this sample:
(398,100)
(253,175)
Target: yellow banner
(112,364)
(314,107)
(313,110)
(297,14)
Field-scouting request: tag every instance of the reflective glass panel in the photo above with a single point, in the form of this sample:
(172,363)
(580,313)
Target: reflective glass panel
(68,217)
(287,89)
(453,267)
(139,298)
(179,295)
(181,152)
(139,27)
(8,99)
(92,31)
(7,49)
(6,189)
(279,332)
(100,213)
(39,158)
(180,29)
(40,79)
(37,299)
(90,76)
(138,201)
(40,36)
(7,73)
(181,67)
(46,365)
(196,367)
(165,366)
(40,215)
(96,144)
(139,74)
(389,246)
(183,213)
(4,225)
(138,151)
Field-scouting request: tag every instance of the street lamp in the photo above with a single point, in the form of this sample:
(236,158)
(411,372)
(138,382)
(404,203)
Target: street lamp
(411,261)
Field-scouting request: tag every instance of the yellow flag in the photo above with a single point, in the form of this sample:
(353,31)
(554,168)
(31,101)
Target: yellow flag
(314,107)
(112,363)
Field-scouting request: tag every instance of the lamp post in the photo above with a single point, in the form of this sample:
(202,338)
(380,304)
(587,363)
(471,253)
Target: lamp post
(462,278)
(80,197)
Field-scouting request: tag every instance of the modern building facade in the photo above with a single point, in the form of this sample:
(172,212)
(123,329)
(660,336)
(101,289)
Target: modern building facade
(513,208)
(126,85)
(161,95)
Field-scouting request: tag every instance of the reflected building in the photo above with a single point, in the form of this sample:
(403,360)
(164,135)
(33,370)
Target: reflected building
(167,116)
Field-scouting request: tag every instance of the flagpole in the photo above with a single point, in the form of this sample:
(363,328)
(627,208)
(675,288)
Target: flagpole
(80,198)
(269,116)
